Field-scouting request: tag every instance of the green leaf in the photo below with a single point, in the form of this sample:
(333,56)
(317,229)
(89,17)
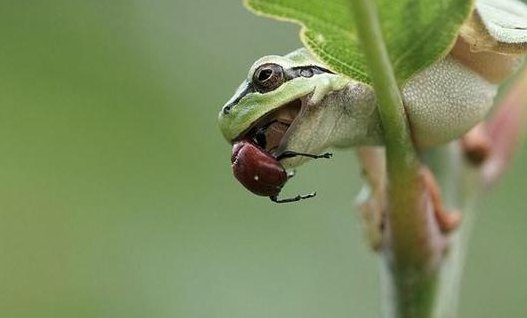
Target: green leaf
(417,32)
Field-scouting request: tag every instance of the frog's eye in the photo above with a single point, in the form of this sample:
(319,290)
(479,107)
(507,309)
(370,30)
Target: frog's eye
(268,77)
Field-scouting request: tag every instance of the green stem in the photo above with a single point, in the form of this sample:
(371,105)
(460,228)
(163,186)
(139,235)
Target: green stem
(413,245)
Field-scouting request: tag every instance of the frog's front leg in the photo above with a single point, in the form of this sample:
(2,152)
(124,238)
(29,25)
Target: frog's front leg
(372,198)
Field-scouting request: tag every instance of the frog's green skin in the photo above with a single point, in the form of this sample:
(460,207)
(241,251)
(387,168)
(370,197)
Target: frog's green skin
(442,103)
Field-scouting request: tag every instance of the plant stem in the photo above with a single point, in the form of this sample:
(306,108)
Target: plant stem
(413,244)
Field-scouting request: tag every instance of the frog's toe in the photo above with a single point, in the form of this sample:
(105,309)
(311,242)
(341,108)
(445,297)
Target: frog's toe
(477,144)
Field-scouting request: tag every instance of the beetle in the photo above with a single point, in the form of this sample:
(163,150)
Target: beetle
(262,173)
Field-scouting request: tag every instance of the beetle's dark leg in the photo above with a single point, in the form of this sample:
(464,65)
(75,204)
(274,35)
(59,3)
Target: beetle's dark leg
(291,154)
(259,137)
(299,197)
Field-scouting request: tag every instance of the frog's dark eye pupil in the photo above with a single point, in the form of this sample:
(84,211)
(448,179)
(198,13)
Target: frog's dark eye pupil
(268,77)
(265,74)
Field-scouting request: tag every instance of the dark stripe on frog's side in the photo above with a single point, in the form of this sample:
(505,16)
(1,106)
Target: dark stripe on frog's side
(292,73)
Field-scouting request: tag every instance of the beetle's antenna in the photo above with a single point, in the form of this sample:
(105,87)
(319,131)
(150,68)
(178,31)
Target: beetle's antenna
(291,154)
(299,197)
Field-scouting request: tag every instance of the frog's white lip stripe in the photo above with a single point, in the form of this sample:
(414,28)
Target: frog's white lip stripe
(289,74)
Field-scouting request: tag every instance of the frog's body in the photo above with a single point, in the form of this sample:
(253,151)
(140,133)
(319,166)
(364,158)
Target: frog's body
(442,103)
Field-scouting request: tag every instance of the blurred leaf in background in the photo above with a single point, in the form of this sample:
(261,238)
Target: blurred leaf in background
(116,195)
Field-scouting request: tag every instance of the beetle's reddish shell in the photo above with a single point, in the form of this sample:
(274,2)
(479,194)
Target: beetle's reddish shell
(256,169)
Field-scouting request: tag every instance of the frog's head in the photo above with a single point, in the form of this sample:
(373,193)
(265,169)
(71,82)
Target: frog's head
(279,103)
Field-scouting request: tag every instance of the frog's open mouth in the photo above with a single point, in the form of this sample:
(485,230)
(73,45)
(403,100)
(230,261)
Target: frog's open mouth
(269,132)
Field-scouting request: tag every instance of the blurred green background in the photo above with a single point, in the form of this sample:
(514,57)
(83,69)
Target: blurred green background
(116,195)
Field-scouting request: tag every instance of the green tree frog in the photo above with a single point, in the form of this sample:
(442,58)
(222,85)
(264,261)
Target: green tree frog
(296,103)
